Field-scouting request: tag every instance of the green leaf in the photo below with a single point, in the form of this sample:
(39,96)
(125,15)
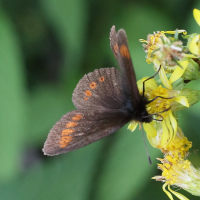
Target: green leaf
(48,104)
(127,167)
(12,101)
(69,19)
(67,176)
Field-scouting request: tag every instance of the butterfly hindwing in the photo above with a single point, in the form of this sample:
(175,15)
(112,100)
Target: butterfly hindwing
(79,128)
(99,90)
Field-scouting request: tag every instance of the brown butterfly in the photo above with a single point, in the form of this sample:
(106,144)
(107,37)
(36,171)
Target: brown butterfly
(106,100)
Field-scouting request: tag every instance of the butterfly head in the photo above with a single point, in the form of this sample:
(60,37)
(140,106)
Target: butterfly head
(145,117)
(140,113)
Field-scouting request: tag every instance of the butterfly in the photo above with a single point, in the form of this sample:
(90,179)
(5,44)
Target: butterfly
(106,99)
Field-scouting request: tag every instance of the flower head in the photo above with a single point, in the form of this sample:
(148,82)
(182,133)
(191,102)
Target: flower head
(167,53)
(160,48)
(176,169)
(177,65)
(160,108)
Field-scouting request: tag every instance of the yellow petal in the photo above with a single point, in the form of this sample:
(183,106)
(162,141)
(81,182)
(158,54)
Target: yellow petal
(132,126)
(142,40)
(162,74)
(178,72)
(168,193)
(156,64)
(171,131)
(180,196)
(165,134)
(179,31)
(164,78)
(151,83)
(196,14)
(189,55)
(152,141)
(149,129)
(182,100)
(173,122)
(194,47)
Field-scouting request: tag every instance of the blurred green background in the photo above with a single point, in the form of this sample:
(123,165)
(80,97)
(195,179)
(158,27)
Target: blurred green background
(46,46)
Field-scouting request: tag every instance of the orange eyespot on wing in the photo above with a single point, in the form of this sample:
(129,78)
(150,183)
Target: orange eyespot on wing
(67,131)
(77,117)
(88,93)
(102,79)
(65,141)
(116,48)
(124,51)
(71,124)
(99,89)
(92,125)
(93,85)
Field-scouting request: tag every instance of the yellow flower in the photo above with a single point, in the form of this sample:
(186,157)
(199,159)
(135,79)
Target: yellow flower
(167,53)
(176,169)
(165,50)
(192,70)
(177,65)
(154,43)
(161,109)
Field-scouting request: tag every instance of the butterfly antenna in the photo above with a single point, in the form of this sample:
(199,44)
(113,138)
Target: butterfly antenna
(145,144)
(149,79)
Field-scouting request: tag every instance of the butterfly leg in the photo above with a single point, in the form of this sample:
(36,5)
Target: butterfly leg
(149,79)
(159,97)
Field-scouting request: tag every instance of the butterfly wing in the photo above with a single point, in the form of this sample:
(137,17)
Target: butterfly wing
(101,100)
(79,128)
(119,46)
(99,90)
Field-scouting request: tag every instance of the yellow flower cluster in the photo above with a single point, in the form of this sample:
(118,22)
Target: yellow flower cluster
(176,65)
(176,169)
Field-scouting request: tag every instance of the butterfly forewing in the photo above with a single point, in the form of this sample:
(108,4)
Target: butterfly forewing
(119,46)
(79,128)
(99,90)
